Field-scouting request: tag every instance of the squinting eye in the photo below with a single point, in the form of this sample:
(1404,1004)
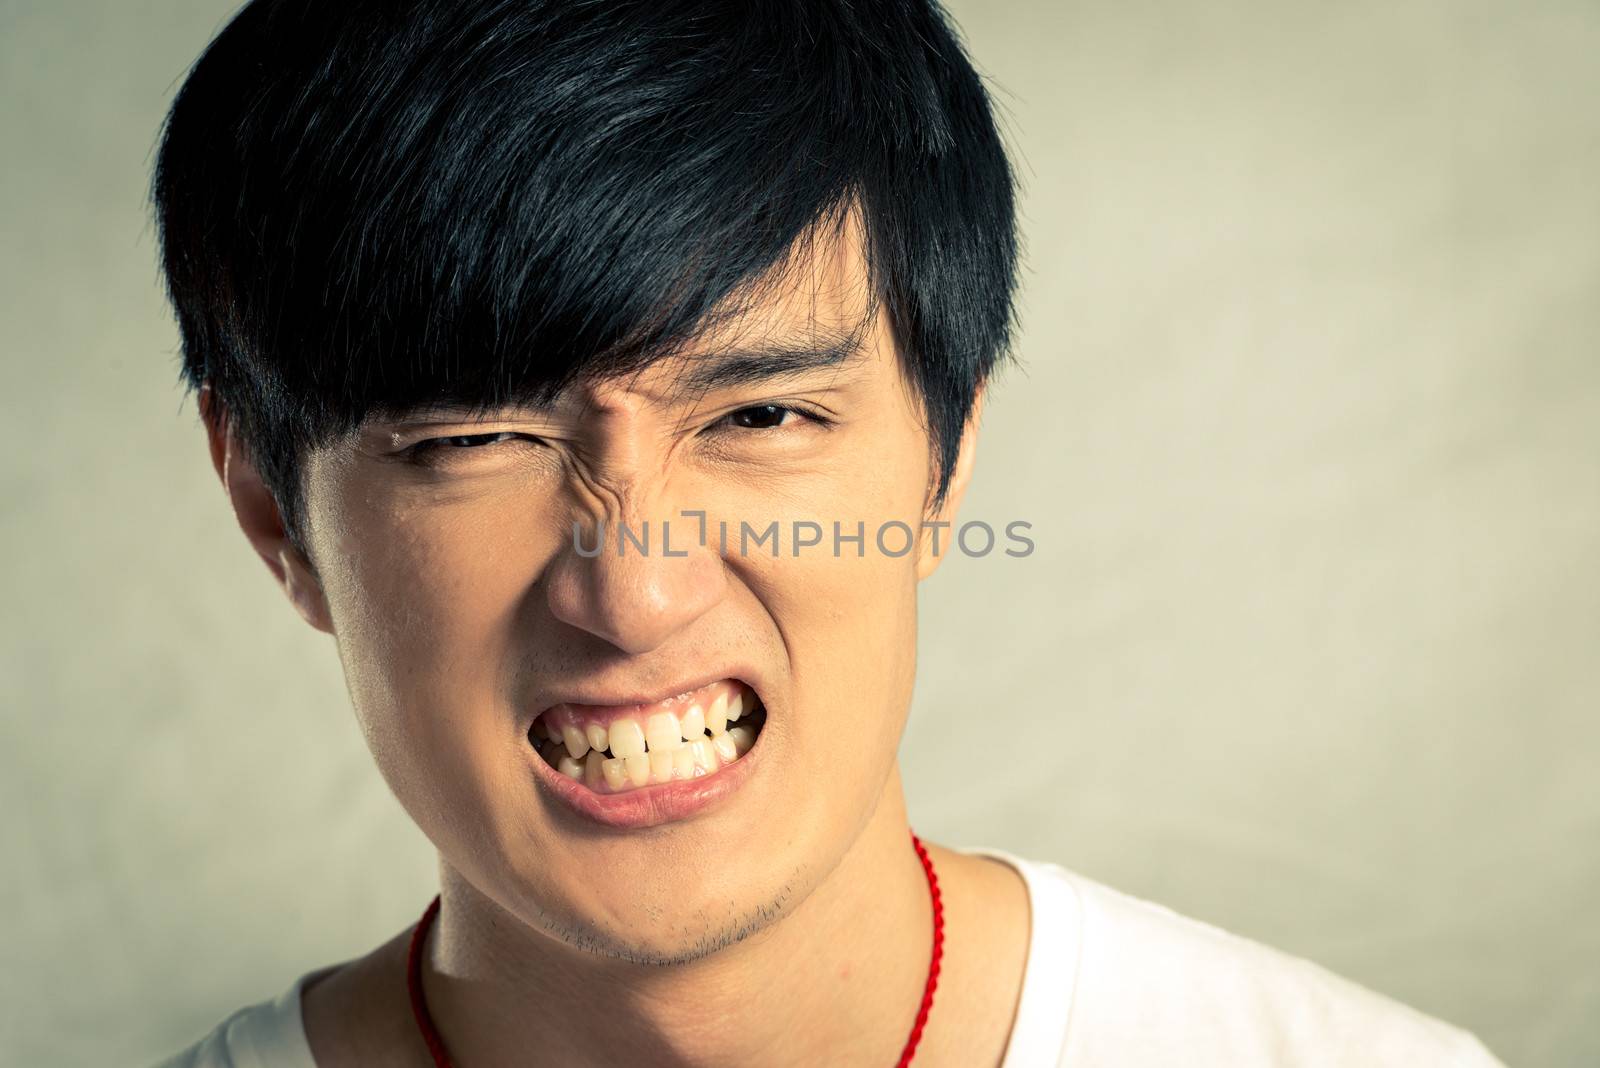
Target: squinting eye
(461,442)
(762,416)
(759,417)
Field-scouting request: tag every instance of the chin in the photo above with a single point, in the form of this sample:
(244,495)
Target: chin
(646,930)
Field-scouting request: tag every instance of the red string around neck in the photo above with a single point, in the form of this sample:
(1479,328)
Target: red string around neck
(441,1058)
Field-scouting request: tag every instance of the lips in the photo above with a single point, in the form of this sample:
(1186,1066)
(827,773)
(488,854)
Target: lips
(632,765)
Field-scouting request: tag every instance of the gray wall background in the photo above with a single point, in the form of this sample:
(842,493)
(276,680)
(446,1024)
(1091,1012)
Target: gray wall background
(1308,429)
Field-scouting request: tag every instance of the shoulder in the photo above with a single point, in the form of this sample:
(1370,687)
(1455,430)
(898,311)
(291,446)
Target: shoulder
(268,1034)
(346,1012)
(1152,986)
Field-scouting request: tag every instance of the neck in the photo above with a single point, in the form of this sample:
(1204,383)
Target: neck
(843,969)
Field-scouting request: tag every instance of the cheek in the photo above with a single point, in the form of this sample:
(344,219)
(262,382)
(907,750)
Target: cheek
(410,595)
(849,628)
(845,610)
(425,603)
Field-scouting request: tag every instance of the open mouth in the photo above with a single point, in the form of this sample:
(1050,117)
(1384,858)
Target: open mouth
(613,750)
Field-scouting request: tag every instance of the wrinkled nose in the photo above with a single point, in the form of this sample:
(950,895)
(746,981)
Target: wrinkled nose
(631,587)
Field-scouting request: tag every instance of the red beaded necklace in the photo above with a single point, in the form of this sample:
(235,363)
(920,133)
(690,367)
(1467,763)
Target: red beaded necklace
(441,1059)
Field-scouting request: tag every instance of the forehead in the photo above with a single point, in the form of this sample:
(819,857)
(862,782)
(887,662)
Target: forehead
(815,310)
(817,307)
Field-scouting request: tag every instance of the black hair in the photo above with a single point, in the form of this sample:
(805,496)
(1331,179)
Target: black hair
(381,205)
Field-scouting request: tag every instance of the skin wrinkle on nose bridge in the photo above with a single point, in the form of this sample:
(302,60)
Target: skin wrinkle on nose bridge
(611,478)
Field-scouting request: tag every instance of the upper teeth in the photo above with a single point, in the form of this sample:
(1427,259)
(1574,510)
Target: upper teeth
(627,738)
(627,735)
(662,731)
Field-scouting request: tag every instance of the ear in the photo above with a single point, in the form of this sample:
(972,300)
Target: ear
(941,538)
(258,515)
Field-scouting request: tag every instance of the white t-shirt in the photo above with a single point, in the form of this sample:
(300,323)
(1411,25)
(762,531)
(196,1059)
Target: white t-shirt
(1112,981)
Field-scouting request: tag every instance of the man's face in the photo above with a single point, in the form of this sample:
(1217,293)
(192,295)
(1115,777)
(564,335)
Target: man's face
(463,610)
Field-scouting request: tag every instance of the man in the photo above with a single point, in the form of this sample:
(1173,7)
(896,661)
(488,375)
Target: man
(568,362)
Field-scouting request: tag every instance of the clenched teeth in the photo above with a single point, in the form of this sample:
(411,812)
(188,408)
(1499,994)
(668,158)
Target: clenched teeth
(687,740)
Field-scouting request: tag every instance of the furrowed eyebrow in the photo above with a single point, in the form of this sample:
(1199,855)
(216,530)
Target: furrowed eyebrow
(718,369)
(727,368)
